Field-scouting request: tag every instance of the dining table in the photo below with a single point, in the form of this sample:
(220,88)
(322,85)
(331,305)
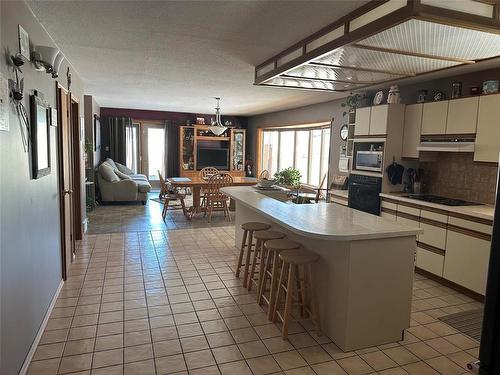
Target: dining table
(196,184)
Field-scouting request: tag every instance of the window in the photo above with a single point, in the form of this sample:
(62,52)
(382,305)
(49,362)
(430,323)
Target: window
(304,149)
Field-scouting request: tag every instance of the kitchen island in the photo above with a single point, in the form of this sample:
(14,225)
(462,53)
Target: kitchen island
(365,273)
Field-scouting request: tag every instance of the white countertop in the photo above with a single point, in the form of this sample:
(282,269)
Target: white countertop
(483,211)
(324,220)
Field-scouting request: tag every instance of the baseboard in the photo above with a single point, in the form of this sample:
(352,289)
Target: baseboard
(39,334)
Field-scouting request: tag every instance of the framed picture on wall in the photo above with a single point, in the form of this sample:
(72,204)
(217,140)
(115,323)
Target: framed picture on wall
(24,43)
(97,133)
(40,137)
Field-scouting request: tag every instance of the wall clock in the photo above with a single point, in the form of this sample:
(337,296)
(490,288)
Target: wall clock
(344,131)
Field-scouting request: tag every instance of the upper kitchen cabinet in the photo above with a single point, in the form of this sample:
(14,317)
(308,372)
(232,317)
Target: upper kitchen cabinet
(412,128)
(487,144)
(434,117)
(362,126)
(378,120)
(462,116)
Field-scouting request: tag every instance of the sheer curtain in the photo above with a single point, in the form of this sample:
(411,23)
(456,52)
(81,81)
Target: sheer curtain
(132,146)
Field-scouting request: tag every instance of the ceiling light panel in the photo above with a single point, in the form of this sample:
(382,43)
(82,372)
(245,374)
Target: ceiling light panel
(342,74)
(355,57)
(304,83)
(437,40)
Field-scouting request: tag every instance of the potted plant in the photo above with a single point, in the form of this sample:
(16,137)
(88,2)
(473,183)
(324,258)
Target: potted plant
(289,177)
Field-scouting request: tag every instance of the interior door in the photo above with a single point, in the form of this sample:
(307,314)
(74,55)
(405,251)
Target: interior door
(65,179)
(153,152)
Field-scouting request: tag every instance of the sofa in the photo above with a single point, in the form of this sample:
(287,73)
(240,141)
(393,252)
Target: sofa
(117,183)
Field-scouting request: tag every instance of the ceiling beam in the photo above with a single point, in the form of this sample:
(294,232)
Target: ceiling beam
(356,68)
(363,83)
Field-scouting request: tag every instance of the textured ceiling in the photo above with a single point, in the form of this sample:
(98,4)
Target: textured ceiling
(177,55)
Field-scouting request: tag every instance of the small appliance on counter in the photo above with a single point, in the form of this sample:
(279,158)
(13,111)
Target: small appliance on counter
(364,193)
(368,156)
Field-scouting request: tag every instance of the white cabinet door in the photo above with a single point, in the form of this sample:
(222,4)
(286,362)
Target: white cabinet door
(462,116)
(362,126)
(488,129)
(434,118)
(411,132)
(466,261)
(378,120)
(433,235)
(430,261)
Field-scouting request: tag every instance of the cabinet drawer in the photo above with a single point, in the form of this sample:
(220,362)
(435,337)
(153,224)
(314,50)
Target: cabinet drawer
(471,225)
(466,261)
(415,211)
(436,216)
(433,235)
(430,261)
(389,205)
(403,219)
(388,215)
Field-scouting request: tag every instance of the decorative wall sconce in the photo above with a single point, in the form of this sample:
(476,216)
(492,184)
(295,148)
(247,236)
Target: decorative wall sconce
(48,59)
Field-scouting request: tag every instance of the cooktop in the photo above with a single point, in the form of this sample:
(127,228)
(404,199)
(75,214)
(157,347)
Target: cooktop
(442,200)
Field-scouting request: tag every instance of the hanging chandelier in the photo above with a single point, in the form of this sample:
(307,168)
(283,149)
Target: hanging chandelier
(216,127)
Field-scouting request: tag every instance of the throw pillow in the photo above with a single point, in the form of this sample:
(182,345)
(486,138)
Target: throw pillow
(107,173)
(111,162)
(122,168)
(122,176)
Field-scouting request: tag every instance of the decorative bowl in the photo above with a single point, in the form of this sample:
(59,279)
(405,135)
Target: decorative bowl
(267,183)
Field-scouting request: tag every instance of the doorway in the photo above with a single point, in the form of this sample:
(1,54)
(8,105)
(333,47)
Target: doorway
(65,162)
(153,152)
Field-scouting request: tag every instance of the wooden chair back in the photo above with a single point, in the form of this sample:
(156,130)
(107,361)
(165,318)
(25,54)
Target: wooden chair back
(163,185)
(319,191)
(217,182)
(208,172)
(264,175)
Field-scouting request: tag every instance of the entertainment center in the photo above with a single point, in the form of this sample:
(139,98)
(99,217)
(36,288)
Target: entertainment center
(199,148)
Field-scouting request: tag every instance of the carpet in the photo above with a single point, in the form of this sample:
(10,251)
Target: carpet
(469,323)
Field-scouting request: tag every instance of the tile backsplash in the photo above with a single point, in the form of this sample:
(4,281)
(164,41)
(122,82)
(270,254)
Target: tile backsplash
(455,175)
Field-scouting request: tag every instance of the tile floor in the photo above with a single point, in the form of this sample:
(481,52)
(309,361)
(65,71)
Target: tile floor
(167,302)
(134,217)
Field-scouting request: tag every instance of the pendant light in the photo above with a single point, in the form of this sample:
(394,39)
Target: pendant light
(216,127)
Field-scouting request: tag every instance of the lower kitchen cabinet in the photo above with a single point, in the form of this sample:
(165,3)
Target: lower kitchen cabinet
(466,261)
(433,235)
(430,261)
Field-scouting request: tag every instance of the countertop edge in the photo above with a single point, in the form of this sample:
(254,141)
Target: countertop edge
(455,209)
(321,236)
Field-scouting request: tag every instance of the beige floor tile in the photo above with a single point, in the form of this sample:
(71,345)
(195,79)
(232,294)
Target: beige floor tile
(235,368)
(445,366)
(289,360)
(75,363)
(461,341)
(442,346)
(188,330)
(142,367)
(111,370)
(78,333)
(48,351)
(219,339)
(401,355)
(211,370)
(202,358)
(420,368)
(107,358)
(244,334)
(301,340)
(441,329)
(300,371)
(225,354)
(137,338)
(462,358)
(335,352)
(315,354)
(277,345)
(263,365)
(164,333)
(253,349)
(44,367)
(109,342)
(167,348)
(422,350)
(378,360)
(79,347)
(355,365)
(138,353)
(393,371)
(422,332)
(193,343)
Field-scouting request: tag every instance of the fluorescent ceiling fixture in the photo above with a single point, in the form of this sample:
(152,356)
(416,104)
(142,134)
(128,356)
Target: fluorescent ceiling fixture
(386,41)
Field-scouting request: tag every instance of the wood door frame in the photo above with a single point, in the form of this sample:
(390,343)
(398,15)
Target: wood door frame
(60,169)
(74,121)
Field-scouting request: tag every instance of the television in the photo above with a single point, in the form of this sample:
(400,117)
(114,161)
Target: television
(213,157)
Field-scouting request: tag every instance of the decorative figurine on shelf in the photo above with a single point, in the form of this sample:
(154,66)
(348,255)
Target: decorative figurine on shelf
(394,96)
(422,95)
(379,98)
(439,95)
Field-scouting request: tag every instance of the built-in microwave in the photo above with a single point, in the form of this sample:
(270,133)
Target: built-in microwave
(369,160)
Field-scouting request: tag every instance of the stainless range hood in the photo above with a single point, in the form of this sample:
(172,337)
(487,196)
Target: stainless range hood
(385,41)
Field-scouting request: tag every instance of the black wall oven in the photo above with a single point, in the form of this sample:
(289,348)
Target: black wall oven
(364,193)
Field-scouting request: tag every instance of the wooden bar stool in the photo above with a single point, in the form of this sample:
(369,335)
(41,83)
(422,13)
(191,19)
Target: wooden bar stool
(259,255)
(247,243)
(296,278)
(271,271)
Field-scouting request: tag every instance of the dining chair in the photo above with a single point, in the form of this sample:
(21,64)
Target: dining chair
(170,194)
(205,174)
(320,189)
(215,199)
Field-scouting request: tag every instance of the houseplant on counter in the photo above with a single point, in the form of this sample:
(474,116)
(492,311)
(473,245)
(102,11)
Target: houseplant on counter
(290,178)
